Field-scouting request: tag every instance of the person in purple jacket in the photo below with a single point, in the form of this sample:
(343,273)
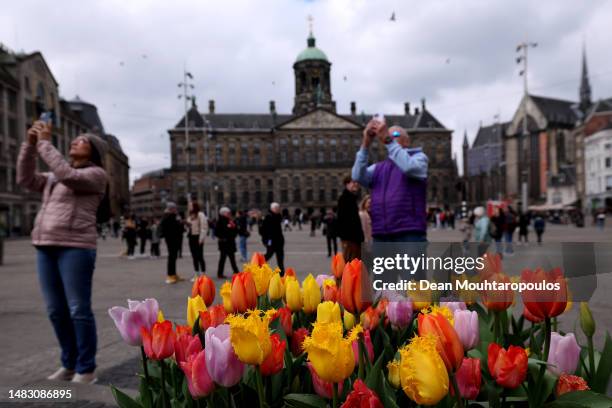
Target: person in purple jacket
(398,185)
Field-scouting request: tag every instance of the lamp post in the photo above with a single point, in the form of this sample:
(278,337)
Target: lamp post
(186,96)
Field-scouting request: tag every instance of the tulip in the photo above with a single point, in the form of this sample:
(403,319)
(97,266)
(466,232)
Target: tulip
(454,306)
(362,397)
(258,259)
(367,340)
(564,354)
(349,320)
(322,278)
(533,319)
(381,306)
(212,317)
(498,300)
(507,367)
(261,275)
(244,292)
(568,383)
(328,312)
(468,378)
(297,341)
(293,294)
(351,289)
(158,343)
(330,353)
(421,299)
(276,289)
(369,318)
(393,376)
(198,380)
(311,293)
(195,305)
(130,320)
(492,265)
(423,376)
(587,323)
(160,316)
(250,335)
(285,316)
(182,329)
(226,295)
(223,364)
(205,287)
(290,272)
(545,303)
(337,265)
(274,362)
(186,345)
(399,313)
(466,326)
(323,388)
(448,343)
(330,291)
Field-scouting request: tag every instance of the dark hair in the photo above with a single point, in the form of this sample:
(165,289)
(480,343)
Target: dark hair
(104,211)
(94,156)
(195,208)
(347,180)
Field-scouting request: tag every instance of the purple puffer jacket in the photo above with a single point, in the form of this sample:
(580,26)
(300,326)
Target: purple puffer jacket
(70,197)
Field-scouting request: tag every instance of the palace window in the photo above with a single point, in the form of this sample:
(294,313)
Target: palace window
(232,154)
(297,196)
(332,151)
(244,154)
(256,153)
(283,151)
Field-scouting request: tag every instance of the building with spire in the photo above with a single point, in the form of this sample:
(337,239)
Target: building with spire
(299,159)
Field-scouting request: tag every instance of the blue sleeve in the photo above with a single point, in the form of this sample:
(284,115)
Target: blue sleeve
(412,162)
(362,173)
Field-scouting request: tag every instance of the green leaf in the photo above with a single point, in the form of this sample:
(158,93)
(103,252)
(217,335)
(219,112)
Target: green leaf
(123,400)
(581,399)
(604,369)
(304,401)
(373,377)
(145,394)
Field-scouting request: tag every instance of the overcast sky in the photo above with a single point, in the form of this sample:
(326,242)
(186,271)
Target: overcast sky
(127,57)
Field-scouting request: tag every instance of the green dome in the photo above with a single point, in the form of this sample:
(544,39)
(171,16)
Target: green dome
(311,52)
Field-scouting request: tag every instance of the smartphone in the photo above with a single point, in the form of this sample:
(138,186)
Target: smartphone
(46,117)
(380,118)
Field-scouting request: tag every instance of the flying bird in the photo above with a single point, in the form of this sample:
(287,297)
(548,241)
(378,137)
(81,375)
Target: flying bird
(144,56)
(448,60)
(121,63)
(345,78)
(392,16)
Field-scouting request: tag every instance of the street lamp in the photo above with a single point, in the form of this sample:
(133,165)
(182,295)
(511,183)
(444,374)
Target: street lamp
(186,96)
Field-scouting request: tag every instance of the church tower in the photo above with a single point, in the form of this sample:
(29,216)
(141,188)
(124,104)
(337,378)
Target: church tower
(585,86)
(312,79)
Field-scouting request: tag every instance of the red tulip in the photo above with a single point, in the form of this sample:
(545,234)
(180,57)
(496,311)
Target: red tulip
(362,397)
(212,317)
(284,314)
(185,329)
(186,345)
(323,388)
(159,342)
(244,292)
(198,380)
(330,292)
(545,303)
(274,362)
(337,265)
(468,378)
(370,318)
(568,383)
(367,341)
(205,287)
(351,294)
(258,259)
(297,339)
(448,342)
(530,317)
(507,367)
(498,300)
(289,272)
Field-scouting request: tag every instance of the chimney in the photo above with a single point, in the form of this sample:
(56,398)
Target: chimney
(416,111)
(272,108)
(333,106)
(211,106)
(353,108)
(407,108)
(423,103)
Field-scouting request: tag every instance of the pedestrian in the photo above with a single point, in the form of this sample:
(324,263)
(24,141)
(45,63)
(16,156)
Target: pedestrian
(366,220)
(226,231)
(171,229)
(130,235)
(286,224)
(143,234)
(539,225)
(601,219)
(197,224)
(510,224)
(300,220)
(243,234)
(465,227)
(272,236)
(313,224)
(349,224)
(481,230)
(329,230)
(181,218)
(155,238)
(523,228)
(398,185)
(116,228)
(496,228)
(74,199)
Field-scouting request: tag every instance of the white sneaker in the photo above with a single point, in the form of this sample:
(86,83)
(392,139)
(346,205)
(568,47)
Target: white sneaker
(131,257)
(85,378)
(62,374)
(195,276)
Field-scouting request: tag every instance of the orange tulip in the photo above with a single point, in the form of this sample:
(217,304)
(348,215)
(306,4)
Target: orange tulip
(330,291)
(258,259)
(448,343)
(492,265)
(351,294)
(337,265)
(507,367)
(544,303)
(180,330)
(274,362)
(285,318)
(159,342)
(205,287)
(370,318)
(568,383)
(498,300)
(212,317)
(244,292)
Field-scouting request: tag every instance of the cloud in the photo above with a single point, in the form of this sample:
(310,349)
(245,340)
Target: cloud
(236,51)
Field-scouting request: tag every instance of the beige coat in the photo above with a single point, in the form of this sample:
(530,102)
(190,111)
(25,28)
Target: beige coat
(70,197)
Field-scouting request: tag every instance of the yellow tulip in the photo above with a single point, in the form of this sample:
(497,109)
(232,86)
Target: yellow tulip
(394,373)
(328,312)
(293,294)
(261,275)
(276,289)
(330,354)
(440,310)
(226,295)
(311,294)
(349,320)
(250,335)
(423,375)
(194,307)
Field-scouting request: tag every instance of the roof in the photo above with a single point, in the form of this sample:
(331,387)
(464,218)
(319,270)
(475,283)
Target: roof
(88,112)
(311,52)
(602,105)
(491,134)
(557,111)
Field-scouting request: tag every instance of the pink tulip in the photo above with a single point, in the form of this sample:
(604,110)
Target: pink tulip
(186,345)
(198,380)
(399,313)
(453,306)
(564,353)
(466,326)
(130,320)
(322,388)
(367,340)
(469,378)
(223,365)
(321,278)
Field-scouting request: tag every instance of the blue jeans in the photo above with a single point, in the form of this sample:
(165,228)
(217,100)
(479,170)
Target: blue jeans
(243,247)
(65,276)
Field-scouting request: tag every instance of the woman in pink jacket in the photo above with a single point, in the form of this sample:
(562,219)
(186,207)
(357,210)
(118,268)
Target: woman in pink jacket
(64,235)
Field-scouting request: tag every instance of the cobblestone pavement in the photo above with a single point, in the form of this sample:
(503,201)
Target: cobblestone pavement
(29,350)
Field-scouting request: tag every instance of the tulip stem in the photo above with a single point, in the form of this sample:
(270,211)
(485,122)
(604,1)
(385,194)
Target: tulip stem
(457,392)
(548,329)
(163,384)
(591,356)
(260,388)
(335,395)
(361,372)
(145,367)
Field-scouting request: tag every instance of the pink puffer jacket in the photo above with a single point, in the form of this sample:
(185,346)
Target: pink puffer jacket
(70,197)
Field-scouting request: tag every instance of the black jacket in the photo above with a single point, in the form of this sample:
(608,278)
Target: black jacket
(171,229)
(271,229)
(226,231)
(349,223)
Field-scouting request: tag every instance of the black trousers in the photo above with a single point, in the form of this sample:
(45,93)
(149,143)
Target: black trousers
(331,241)
(280,256)
(143,245)
(231,255)
(172,255)
(154,248)
(197,253)
(131,245)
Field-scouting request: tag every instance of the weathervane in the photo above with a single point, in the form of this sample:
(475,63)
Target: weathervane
(310,19)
